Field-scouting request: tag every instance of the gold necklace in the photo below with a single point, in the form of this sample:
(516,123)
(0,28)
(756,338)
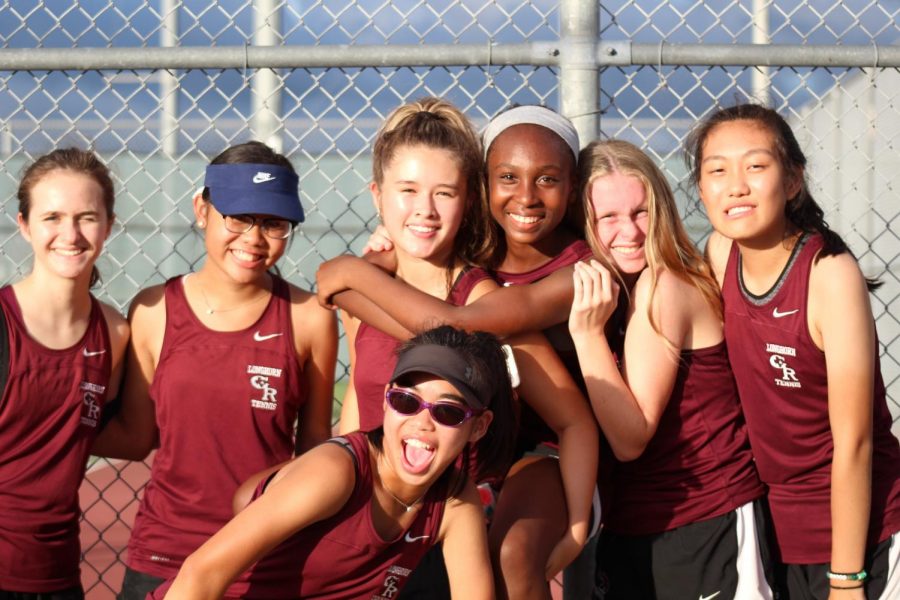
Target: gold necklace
(211,311)
(409,507)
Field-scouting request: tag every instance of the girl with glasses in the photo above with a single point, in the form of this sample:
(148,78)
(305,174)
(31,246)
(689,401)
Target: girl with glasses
(352,517)
(226,363)
(61,353)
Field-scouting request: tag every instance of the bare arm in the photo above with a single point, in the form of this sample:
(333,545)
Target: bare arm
(315,341)
(368,312)
(717,249)
(119,334)
(465,547)
(298,496)
(132,432)
(842,325)
(548,388)
(629,407)
(538,306)
(350,406)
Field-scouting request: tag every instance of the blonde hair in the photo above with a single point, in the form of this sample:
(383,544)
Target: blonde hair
(667,245)
(435,123)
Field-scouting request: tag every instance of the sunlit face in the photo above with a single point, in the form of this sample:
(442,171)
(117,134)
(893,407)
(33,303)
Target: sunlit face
(242,257)
(621,219)
(417,447)
(531,175)
(422,200)
(743,185)
(67,223)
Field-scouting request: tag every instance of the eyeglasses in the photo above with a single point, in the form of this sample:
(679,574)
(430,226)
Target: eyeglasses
(277,229)
(447,414)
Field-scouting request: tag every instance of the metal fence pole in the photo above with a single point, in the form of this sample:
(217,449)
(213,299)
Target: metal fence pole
(579,75)
(266,82)
(760,75)
(168,81)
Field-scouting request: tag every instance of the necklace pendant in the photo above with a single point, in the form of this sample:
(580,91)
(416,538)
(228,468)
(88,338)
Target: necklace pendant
(410,508)
(210,311)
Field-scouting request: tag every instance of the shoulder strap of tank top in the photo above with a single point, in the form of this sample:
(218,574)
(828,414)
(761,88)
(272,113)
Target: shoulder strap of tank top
(344,443)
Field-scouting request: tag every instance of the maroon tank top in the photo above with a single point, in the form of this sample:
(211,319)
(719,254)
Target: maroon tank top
(226,405)
(343,556)
(783,386)
(698,464)
(49,415)
(533,430)
(376,355)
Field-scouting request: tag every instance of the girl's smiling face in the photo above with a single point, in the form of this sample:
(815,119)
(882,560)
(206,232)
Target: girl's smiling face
(243,257)
(67,223)
(743,185)
(621,219)
(531,174)
(422,199)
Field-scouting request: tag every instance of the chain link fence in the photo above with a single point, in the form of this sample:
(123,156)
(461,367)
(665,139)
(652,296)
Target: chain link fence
(159,88)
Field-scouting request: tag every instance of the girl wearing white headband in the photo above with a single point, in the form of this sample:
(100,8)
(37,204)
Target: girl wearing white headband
(224,363)
(530,161)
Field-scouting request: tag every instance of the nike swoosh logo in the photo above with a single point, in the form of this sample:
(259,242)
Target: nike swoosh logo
(261,338)
(262,177)
(778,315)
(412,539)
(89,353)
(711,596)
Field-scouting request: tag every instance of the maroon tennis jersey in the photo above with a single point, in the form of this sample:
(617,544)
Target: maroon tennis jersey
(698,464)
(376,355)
(226,404)
(533,430)
(49,415)
(343,557)
(783,386)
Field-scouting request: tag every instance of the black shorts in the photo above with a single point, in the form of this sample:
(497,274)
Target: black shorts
(73,593)
(136,585)
(723,557)
(882,563)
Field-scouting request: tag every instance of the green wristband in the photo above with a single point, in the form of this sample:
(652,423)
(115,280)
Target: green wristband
(861,576)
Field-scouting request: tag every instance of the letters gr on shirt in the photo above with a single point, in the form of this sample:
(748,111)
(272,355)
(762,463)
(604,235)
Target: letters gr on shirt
(261,378)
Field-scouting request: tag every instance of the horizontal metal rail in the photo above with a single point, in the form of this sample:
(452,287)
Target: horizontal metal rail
(608,53)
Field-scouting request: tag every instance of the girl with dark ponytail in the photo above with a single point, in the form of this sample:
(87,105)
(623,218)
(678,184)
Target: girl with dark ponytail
(803,347)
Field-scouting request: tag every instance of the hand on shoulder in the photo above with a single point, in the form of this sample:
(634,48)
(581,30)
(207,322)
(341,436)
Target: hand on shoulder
(311,322)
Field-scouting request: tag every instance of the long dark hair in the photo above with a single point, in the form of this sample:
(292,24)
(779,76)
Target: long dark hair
(494,451)
(802,210)
(79,161)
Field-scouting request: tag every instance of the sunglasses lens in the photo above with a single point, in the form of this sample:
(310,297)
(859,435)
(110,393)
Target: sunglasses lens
(450,415)
(404,402)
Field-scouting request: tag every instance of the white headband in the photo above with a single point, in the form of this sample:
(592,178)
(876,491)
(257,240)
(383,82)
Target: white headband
(532,115)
